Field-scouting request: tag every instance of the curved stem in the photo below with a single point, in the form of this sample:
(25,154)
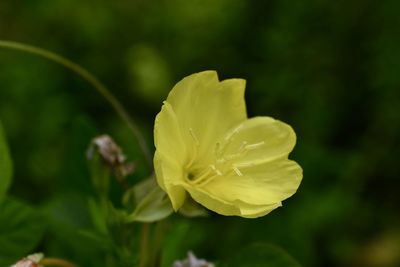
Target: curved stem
(144,245)
(56,262)
(92,80)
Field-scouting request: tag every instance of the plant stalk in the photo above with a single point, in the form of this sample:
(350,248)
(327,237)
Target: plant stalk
(144,246)
(56,262)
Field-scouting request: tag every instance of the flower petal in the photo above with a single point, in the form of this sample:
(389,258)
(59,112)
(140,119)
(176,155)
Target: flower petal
(237,208)
(254,211)
(167,135)
(256,141)
(263,184)
(212,202)
(170,155)
(253,166)
(169,177)
(206,109)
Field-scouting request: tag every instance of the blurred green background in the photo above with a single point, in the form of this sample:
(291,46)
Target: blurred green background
(330,69)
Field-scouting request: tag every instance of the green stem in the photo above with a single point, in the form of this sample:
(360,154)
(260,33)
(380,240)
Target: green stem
(92,80)
(144,245)
(158,239)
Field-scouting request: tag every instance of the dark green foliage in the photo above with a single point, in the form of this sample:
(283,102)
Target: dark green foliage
(261,255)
(21,229)
(329,69)
(5,165)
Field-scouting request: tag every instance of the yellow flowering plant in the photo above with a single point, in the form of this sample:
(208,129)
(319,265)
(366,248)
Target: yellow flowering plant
(207,149)
(209,154)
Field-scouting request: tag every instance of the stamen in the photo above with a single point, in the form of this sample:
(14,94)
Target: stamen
(235,131)
(235,169)
(246,164)
(206,176)
(196,141)
(192,158)
(198,178)
(216,170)
(254,146)
(203,177)
(241,152)
(242,146)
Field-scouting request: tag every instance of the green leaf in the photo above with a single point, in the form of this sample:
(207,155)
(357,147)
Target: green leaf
(153,203)
(70,230)
(97,216)
(142,189)
(21,228)
(5,165)
(261,255)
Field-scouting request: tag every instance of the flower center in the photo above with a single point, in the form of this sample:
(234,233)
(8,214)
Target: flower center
(202,175)
(230,155)
(191,176)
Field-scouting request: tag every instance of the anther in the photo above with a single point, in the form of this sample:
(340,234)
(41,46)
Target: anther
(196,141)
(237,171)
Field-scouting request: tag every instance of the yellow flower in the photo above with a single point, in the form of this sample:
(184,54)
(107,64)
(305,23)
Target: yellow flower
(207,147)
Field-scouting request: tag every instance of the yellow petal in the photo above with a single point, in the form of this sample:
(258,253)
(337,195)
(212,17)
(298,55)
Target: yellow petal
(169,177)
(170,155)
(255,141)
(263,184)
(212,202)
(206,108)
(254,173)
(167,135)
(255,211)
(237,208)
